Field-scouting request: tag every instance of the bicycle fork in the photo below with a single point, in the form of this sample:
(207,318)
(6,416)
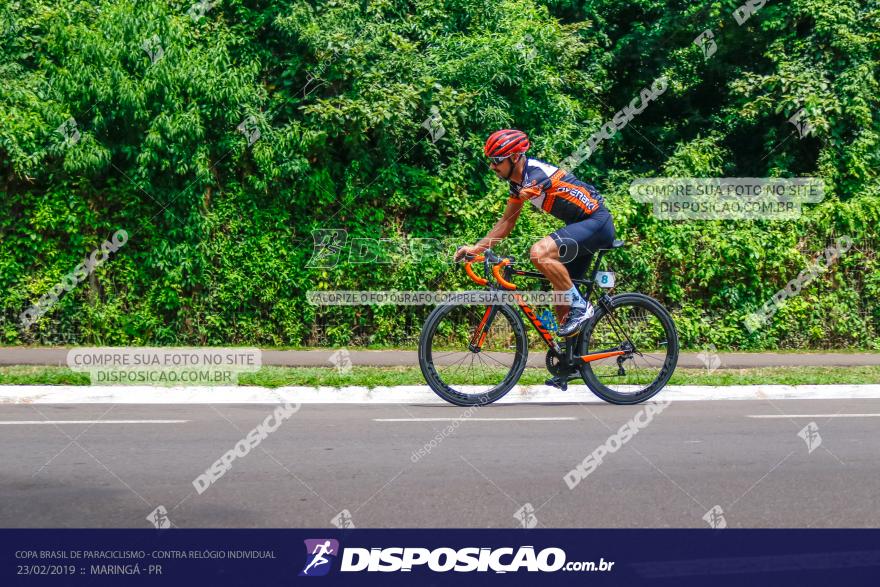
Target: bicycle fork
(480,332)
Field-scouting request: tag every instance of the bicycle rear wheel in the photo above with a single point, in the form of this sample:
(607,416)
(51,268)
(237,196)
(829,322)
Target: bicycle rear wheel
(639,325)
(455,370)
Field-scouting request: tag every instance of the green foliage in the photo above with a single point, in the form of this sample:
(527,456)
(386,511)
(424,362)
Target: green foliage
(340,92)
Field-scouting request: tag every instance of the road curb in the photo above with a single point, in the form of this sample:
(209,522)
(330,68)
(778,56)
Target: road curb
(403,394)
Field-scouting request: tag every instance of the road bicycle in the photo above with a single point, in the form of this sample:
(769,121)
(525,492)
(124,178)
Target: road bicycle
(474,353)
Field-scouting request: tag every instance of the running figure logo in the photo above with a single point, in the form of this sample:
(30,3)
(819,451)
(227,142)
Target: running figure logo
(320,552)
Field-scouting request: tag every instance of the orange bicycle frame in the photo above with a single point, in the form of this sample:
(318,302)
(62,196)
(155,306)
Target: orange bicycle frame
(501,271)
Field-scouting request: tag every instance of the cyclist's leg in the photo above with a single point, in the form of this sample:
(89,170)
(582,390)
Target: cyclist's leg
(576,268)
(545,257)
(548,258)
(562,255)
(576,244)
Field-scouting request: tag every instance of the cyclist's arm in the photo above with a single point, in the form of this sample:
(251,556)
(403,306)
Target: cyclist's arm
(503,227)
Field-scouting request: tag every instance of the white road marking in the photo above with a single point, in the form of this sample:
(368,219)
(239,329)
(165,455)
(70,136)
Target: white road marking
(400,394)
(9,422)
(472,419)
(815,416)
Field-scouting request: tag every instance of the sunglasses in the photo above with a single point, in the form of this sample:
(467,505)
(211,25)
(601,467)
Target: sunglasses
(498,160)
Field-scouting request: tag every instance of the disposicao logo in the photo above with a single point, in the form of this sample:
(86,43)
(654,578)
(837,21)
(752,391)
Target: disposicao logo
(320,554)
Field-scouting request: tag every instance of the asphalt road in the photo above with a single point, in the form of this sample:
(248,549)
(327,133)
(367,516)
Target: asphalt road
(324,459)
(390,358)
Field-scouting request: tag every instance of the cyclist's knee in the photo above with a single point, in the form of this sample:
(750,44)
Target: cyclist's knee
(543,250)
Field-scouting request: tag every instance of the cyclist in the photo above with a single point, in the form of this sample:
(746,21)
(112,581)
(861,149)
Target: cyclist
(565,253)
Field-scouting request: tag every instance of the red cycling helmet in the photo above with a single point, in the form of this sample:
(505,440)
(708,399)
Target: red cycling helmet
(506,142)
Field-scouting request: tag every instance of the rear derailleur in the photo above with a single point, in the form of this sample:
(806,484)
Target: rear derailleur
(628,348)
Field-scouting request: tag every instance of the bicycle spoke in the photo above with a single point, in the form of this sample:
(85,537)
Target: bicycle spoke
(435,357)
(496,360)
(465,356)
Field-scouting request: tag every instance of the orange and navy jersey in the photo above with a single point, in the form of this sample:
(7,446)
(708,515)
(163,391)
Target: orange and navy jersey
(556,191)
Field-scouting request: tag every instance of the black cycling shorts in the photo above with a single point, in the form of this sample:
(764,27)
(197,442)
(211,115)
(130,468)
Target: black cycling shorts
(579,240)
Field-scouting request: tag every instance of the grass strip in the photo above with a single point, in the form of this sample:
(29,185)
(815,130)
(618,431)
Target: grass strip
(389,376)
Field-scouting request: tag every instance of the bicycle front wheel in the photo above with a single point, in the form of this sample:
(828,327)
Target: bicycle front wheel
(640,326)
(468,374)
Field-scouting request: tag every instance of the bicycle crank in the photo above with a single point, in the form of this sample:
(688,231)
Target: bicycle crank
(561,371)
(554,363)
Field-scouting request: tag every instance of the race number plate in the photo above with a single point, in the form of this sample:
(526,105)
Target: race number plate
(605,279)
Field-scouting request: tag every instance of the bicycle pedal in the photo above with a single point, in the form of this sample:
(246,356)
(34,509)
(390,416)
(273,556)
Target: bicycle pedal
(557,383)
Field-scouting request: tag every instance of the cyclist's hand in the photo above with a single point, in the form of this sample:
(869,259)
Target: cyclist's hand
(466,253)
